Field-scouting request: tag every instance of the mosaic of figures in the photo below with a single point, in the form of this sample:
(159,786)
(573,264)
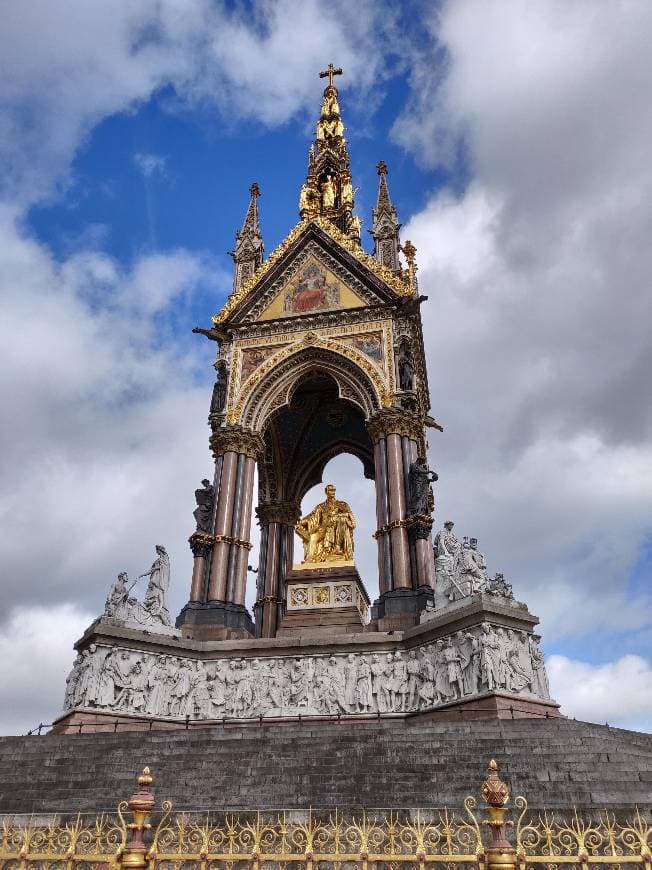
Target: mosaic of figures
(253,357)
(458,666)
(461,569)
(311,291)
(369,343)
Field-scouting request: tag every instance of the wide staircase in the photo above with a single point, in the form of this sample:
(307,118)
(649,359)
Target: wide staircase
(554,763)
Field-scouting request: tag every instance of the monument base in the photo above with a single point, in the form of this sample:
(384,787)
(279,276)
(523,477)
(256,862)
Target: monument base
(400,609)
(324,599)
(477,658)
(216,620)
(490,705)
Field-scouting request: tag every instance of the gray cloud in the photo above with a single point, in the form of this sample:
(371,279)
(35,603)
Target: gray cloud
(538,278)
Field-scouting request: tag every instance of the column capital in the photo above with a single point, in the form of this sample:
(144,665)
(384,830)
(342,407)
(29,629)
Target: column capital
(287,512)
(395,421)
(238,440)
(201,544)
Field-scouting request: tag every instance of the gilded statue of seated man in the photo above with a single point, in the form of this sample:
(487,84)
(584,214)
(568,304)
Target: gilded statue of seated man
(327,531)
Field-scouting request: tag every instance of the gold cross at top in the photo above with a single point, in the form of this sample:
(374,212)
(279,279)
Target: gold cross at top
(330,72)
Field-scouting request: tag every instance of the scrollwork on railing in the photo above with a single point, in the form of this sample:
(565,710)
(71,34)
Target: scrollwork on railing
(328,839)
(546,839)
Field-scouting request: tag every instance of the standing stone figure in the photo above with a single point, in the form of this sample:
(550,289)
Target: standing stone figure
(156,597)
(419,478)
(473,574)
(447,565)
(405,370)
(218,399)
(203,513)
(540,685)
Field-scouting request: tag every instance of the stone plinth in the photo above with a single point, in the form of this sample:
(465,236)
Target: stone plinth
(324,599)
(478,658)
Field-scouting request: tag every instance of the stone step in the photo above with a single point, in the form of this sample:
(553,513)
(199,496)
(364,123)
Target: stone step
(349,764)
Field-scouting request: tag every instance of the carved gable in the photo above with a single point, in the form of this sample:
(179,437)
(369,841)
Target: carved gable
(315,270)
(312,288)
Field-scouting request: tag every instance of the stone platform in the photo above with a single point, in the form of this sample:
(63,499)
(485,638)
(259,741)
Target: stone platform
(324,599)
(479,657)
(555,763)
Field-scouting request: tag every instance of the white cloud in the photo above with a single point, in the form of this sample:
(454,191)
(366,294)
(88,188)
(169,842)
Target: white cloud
(618,692)
(538,281)
(150,164)
(67,64)
(36,655)
(103,438)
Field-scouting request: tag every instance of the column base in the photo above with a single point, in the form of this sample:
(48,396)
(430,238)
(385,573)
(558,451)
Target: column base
(217,620)
(400,608)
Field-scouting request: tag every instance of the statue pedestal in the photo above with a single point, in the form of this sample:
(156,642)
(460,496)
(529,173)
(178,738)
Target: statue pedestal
(324,598)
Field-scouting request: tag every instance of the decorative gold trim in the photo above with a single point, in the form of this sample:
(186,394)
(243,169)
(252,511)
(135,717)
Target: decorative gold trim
(402,284)
(385,395)
(328,839)
(393,524)
(238,542)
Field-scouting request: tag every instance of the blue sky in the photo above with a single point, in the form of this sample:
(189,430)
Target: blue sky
(517,140)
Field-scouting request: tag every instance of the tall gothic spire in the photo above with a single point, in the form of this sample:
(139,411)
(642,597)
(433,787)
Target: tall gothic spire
(248,252)
(328,190)
(385,225)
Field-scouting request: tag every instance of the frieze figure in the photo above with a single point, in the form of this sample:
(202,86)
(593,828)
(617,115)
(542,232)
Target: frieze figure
(203,513)
(419,480)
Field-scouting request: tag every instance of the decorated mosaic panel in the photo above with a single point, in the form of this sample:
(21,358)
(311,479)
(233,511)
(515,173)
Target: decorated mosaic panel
(313,289)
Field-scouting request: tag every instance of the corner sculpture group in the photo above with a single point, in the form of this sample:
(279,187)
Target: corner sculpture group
(463,664)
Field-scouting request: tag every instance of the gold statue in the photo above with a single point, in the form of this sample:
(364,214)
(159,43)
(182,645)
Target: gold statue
(328,193)
(347,194)
(327,531)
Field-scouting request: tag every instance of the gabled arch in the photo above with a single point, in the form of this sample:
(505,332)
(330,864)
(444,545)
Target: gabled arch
(279,384)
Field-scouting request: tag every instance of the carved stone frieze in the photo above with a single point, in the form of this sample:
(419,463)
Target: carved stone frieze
(119,679)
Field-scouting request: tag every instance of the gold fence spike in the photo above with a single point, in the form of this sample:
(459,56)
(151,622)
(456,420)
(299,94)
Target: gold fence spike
(501,855)
(141,804)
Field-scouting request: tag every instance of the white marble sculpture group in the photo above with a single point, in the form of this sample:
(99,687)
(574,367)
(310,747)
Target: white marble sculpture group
(459,665)
(461,570)
(152,611)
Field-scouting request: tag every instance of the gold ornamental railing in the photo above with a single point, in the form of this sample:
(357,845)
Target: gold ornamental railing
(327,840)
